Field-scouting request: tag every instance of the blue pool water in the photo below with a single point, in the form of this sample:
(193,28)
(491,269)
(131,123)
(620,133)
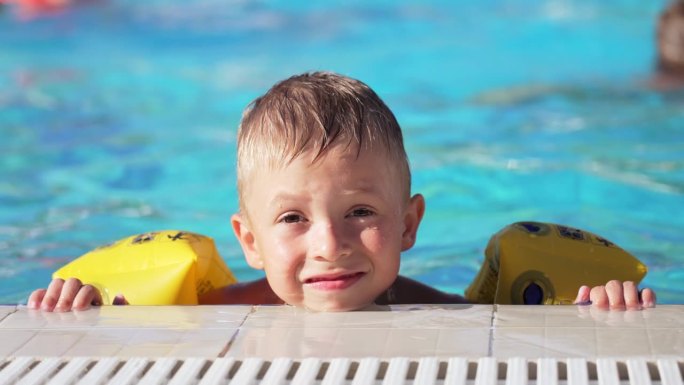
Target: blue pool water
(119,117)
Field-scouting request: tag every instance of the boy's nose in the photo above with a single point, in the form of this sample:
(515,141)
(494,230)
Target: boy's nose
(329,243)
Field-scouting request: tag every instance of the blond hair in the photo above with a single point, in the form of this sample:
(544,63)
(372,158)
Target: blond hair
(316,112)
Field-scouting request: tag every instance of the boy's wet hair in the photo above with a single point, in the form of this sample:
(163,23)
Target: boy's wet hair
(671,39)
(316,112)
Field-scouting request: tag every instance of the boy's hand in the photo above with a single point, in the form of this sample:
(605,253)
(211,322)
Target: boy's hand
(616,295)
(61,296)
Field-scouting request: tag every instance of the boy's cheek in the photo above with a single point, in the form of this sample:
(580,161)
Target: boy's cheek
(375,239)
(282,262)
(285,252)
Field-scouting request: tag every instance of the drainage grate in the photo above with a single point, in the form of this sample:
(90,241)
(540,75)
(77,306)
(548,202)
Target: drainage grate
(365,371)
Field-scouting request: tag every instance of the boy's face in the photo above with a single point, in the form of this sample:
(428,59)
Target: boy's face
(328,234)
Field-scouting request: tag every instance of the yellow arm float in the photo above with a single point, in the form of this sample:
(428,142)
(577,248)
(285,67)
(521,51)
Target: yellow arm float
(544,263)
(526,262)
(156,268)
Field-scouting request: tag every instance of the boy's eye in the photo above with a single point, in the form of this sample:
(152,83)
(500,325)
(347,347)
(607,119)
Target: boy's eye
(361,212)
(291,218)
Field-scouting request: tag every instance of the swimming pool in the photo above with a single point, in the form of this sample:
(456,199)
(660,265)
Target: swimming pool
(119,117)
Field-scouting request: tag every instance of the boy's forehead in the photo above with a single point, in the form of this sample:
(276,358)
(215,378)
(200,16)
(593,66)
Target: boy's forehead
(345,156)
(369,175)
(373,163)
(367,162)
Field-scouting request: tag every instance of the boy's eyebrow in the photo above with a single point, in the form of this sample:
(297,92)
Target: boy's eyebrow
(361,189)
(285,196)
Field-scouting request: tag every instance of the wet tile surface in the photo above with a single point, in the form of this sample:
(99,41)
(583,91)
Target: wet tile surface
(584,331)
(130,317)
(359,342)
(124,331)
(663,316)
(411,331)
(152,343)
(13,340)
(6,310)
(380,317)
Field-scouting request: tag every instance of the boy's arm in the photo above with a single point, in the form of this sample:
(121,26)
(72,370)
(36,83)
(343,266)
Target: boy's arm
(407,291)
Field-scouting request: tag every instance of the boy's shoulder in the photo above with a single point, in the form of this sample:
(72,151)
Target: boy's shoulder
(256,292)
(405,290)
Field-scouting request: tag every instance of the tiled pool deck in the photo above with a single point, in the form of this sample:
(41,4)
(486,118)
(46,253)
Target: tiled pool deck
(400,331)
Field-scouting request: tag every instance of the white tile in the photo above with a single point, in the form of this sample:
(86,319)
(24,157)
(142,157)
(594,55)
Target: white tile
(290,342)
(541,316)
(666,343)
(5,311)
(611,319)
(361,342)
(665,316)
(413,331)
(156,343)
(561,342)
(101,343)
(518,342)
(13,340)
(152,342)
(25,318)
(172,316)
(571,316)
(127,342)
(179,343)
(618,342)
(50,343)
(203,343)
(130,317)
(585,331)
(404,316)
(535,342)
(464,342)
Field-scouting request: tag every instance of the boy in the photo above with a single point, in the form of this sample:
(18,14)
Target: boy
(670,48)
(325,207)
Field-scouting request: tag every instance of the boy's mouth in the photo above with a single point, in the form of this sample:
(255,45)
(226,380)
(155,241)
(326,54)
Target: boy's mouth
(333,282)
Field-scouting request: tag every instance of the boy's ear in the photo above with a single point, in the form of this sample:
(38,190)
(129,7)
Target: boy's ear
(246,238)
(412,217)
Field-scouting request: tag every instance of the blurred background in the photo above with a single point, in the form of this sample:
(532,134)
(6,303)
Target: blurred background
(119,117)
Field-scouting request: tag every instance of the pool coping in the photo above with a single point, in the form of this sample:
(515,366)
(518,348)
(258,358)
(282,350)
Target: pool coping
(499,331)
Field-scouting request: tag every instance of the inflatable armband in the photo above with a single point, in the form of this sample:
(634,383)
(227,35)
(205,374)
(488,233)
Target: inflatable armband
(542,263)
(156,268)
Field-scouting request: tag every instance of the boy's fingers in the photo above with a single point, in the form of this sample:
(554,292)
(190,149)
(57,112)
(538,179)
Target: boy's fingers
(36,298)
(52,295)
(648,298)
(70,289)
(583,296)
(87,296)
(631,295)
(616,297)
(598,297)
(119,299)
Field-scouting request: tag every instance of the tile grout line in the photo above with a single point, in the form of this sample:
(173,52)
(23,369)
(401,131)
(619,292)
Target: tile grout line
(225,350)
(490,346)
(16,309)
